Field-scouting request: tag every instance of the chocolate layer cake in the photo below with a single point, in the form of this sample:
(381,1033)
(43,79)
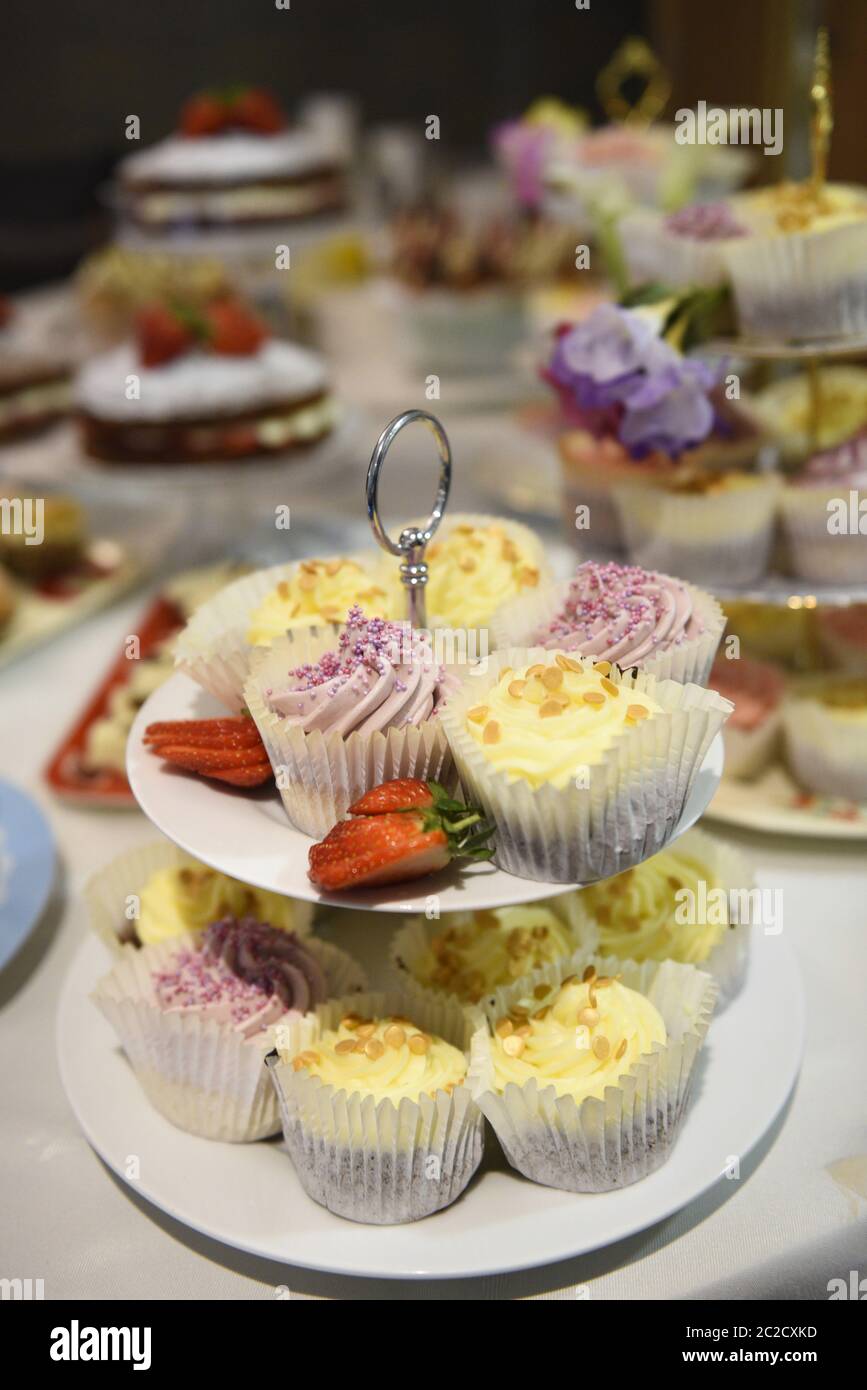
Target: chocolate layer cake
(34,393)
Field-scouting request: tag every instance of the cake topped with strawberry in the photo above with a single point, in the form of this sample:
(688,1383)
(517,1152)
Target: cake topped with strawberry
(201,383)
(233,160)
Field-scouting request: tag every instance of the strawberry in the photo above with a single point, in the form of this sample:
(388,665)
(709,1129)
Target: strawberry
(256,109)
(404,794)
(391,846)
(161,335)
(233,329)
(204,114)
(229,750)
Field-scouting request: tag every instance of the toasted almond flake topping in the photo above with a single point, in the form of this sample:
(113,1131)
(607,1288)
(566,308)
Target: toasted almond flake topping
(307,582)
(298,1063)
(549,707)
(334,567)
(601,1048)
(347,1045)
(478,713)
(543,1012)
(419,1043)
(594,698)
(588,1018)
(524,1031)
(552,677)
(514,1045)
(535,670)
(468,563)
(491,733)
(620,1051)
(569,664)
(395,1036)
(374,1049)
(351,1021)
(359,1046)
(589,974)
(529,575)
(609,687)
(540,991)
(603,667)
(330,612)
(366,1030)
(283,589)
(309,1057)
(504,1027)
(516,689)
(636,711)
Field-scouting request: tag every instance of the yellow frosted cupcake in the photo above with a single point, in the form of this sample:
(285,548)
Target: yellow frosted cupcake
(475,564)
(323,591)
(584,1068)
(683,904)
(825,733)
(470,954)
(584,770)
(157,893)
(377,1117)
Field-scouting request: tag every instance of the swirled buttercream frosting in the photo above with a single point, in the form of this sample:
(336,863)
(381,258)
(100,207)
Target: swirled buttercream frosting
(278,962)
(387,1058)
(549,722)
(322,591)
(186,898)
(377,678)
(474,952)
(578,1037)
(621,613)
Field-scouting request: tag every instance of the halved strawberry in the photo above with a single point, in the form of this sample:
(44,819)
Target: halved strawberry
(392,846)
(229,750)
(161,335)
(233,329)
(204,114)
(254,108)
(403,794)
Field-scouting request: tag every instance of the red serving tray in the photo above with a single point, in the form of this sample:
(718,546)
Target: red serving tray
(65,774)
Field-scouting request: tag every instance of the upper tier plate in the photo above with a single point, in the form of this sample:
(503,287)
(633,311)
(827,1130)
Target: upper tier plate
(246,834)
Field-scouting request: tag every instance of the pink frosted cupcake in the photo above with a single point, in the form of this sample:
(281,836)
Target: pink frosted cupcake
(197,1016)
(752,734)
(622,614)
(820,511)
(339,715)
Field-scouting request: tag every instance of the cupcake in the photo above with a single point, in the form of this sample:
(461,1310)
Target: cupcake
(475,564)
(825,731)
(196,1016)
(339,714)
(752,733)
(154,894)
(583,769)
(63,542)
(469,954)
(680,249)
(217,644)
(682,904)
(800,417)
(622,614)
(202,386)
(843,638)
(585,1068)
(799,274)
(710,529)
(821,516)
(376,1114)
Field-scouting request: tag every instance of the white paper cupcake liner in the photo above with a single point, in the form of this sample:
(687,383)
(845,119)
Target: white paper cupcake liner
(371,1161)
(610,1142)
(729,870)
(802,285)
(814,552)
(653,253)
(200,1074)
(410,944)
(319,775)
(110,894)
(471,332)
(707,539)
(635,796)
(591,484)
(827,754)
(213,648)
(515,624)
(749,751)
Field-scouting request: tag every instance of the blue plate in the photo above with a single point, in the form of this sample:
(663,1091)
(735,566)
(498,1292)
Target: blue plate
(27,863)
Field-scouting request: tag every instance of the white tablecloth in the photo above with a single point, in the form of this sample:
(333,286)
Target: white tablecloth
(796,1218)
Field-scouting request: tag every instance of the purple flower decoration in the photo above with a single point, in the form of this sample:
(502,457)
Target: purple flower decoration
(616,377)
(523,149)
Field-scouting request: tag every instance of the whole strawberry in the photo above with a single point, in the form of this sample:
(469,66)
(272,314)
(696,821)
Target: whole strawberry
(255,109)
(161,335)
(232,329)
(400,830)
(203,114)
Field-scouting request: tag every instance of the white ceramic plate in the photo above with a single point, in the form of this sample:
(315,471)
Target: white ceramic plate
(247,834)
(248,1196)
(774,803)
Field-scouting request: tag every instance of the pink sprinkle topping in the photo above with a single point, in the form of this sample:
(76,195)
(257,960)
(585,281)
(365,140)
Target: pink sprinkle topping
(365,645)
(197,982)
